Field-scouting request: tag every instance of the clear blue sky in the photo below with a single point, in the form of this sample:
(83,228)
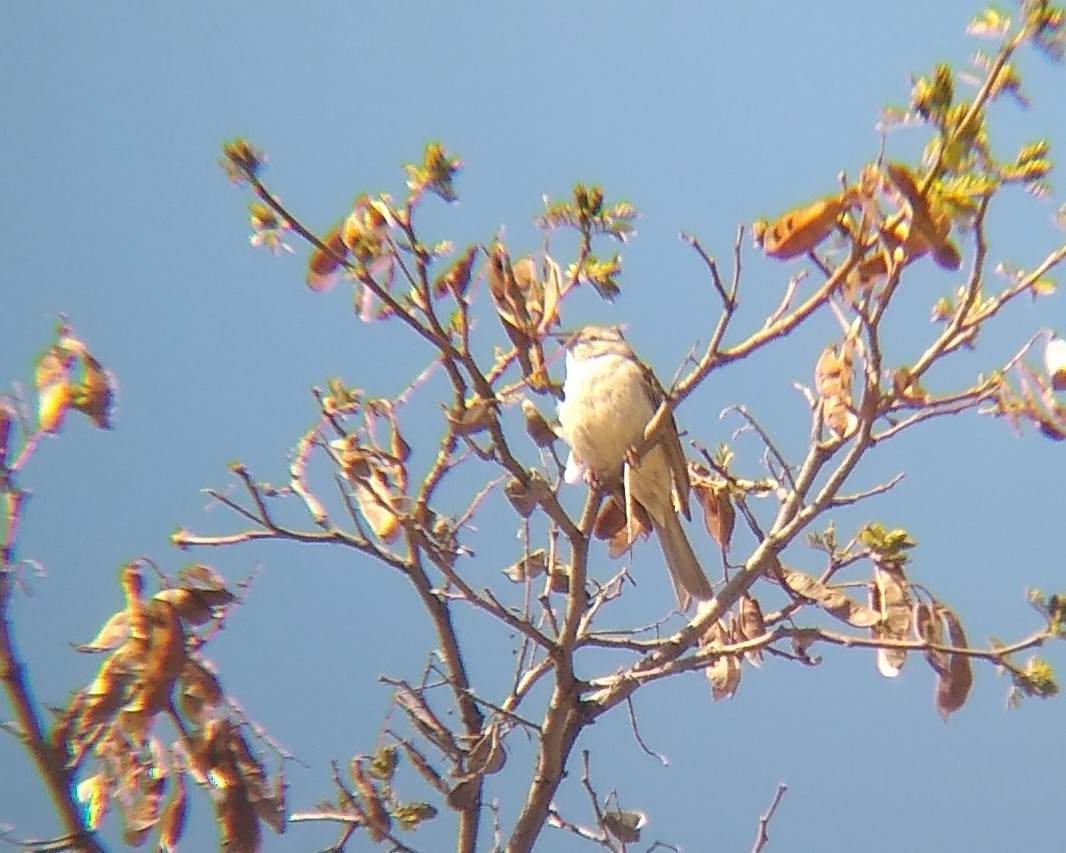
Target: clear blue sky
(702,115)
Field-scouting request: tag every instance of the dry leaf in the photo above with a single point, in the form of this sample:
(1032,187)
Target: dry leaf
(800,230)
(953,686)
(536,426)
(832,378)
(750,623)
(376,503)
(521,496)
(531,566)
(172,820)
(1055,362)
(719,516)
(463,795)
(611,525)
(487,756)
(907,388)
(931,227)
(928,629)
(323,265)
(623,825)
(111,636)
(94,395)
(724,671)
(476,416)
(456,279)
(237,821)
(831,599)
(890,596)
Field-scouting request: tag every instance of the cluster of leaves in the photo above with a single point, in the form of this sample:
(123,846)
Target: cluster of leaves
(69,377)
(153,670)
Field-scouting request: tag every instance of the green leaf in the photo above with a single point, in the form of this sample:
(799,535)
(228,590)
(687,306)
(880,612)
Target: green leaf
(991,23)
(383,764)
(410,815)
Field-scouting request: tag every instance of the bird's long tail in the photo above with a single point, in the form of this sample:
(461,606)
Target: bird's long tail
(688,577)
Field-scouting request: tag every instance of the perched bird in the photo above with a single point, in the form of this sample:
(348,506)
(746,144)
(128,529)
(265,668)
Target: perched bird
(609,398)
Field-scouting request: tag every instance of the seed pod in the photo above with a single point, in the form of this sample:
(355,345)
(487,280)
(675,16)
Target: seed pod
(800,230)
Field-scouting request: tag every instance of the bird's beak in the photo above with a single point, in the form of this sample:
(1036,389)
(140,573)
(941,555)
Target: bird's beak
(565,337)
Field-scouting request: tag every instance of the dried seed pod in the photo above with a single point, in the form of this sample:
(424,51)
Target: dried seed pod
(456,279)
(724,671)
(751,624)
(890,596)
(324,264)
(831,599)
(800,230)
(1055,362)
(953,685)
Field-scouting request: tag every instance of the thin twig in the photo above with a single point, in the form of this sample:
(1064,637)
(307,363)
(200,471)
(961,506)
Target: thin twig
(763,836)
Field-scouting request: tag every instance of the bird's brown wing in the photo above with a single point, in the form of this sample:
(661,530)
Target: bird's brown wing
(671,444)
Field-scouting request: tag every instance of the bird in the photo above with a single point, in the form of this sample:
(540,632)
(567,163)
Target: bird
(609,396)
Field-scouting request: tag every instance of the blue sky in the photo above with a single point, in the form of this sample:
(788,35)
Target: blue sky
(116,214)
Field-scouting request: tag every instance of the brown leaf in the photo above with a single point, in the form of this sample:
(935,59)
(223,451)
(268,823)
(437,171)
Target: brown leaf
(172,821)
(537,427)
(111,636)
(94,395)
(907,387)
(475,417)
(521,496)
(831,599)
(832,378)
(199,682)
(953,686)
(463,795)
(456,279)
(323,266)
(611,526)
(928,629)
(376,503)
(487,755)
(202,577)
(107,693)
(719,516)
(890,596)
(751,624)
(187,603)
(507,295)
(559,580)
(237,821)
(624,825)
(531,566)
(800,230)
(931,227)
(724,671)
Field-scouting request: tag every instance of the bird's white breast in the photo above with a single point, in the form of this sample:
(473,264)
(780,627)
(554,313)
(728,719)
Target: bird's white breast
(605,410)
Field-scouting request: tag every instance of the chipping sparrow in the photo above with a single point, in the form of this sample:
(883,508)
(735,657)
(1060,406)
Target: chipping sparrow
(609,397)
